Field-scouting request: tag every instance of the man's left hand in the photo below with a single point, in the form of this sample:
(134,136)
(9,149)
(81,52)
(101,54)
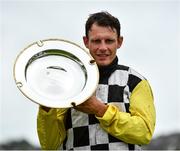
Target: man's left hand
(92,106)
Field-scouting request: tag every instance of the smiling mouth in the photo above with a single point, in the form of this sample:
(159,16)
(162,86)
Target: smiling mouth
(102,55)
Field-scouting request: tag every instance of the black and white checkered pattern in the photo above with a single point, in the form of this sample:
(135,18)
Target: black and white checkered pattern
(84,131)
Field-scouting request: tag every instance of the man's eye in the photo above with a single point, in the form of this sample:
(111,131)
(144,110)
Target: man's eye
(96,41)
(109,41)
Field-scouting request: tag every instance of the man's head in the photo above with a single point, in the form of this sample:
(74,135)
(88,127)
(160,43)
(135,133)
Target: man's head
(102,37)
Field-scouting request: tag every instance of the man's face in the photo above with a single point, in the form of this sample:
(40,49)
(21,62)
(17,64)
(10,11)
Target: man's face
(102,43)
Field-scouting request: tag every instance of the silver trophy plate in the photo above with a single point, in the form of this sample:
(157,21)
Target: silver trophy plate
(56,73)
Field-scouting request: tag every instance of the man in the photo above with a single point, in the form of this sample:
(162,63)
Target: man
(120,116)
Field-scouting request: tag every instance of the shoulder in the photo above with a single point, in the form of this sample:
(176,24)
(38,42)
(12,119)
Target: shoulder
(130,71)
(133,77)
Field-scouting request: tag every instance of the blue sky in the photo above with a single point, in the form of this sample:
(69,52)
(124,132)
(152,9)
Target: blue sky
(151,46)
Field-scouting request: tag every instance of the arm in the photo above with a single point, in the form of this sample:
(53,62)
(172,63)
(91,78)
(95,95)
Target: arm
(50,128)
(136,127)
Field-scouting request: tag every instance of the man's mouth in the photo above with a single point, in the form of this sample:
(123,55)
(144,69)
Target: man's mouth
(102,55)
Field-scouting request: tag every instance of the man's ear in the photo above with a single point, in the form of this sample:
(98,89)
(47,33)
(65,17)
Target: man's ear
(85,39)
(120,41)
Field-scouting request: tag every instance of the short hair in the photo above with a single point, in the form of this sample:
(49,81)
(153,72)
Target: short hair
(103,19)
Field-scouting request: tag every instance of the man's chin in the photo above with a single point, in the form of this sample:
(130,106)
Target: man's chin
(102,63)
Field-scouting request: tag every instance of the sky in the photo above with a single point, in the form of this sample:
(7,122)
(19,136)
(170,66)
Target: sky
(151,31)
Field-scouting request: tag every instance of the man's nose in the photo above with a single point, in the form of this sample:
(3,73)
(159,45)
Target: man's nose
(103,46)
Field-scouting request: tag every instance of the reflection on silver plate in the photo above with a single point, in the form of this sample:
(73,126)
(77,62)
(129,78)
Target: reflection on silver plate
(56,73)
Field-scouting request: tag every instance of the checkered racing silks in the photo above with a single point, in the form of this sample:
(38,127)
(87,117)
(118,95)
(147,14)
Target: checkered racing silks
(84,131)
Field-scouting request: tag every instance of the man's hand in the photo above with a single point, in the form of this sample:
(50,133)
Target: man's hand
(92,106)
(45,108)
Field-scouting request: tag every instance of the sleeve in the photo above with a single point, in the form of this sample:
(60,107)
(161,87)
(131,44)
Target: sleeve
(50,128)
(136,127)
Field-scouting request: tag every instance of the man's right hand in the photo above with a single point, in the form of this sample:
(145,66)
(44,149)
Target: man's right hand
(45,108)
